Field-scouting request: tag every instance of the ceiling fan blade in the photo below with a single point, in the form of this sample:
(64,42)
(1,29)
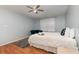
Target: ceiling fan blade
(37,6)
(29,7)
(40,10)
(30,11)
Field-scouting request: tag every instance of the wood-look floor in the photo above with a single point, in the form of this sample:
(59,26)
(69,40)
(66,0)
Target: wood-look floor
(14,49)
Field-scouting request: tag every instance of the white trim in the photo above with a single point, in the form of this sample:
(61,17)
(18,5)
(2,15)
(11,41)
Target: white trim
(22,37)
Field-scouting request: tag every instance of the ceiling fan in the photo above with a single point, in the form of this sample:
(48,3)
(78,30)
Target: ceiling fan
(35,9)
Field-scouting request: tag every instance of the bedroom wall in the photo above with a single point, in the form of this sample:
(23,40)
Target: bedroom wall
(36,25)
(72,20)
(59,23)
(13,25)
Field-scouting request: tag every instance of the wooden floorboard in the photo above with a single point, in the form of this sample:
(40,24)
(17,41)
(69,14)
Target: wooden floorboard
(14,49)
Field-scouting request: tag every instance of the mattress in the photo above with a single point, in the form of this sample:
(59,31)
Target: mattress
(50,40)
(59,50)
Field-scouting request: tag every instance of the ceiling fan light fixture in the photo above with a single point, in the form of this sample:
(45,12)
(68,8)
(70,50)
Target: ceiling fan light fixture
(35,9)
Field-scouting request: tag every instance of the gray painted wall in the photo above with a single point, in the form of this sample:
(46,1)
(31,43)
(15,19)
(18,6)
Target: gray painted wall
(72,20)
(59,23)
(36,24)
(13,25)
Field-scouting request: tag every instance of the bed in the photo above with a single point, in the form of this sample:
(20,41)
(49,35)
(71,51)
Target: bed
(52,42)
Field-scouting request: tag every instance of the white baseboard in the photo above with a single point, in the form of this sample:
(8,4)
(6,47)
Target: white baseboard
(22,37)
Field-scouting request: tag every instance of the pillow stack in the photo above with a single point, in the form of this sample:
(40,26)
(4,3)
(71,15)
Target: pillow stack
(68,32)
(72,34)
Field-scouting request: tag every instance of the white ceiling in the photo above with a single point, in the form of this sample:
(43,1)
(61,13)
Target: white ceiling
(50,10)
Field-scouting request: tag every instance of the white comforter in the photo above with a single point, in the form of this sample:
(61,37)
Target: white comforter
(52,40)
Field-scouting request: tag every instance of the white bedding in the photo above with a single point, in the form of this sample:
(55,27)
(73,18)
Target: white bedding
(52,40)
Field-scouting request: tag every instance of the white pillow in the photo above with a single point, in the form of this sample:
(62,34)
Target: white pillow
(67,32)
(72,34)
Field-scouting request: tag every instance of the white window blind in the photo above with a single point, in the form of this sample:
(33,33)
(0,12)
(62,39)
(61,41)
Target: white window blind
(47,25)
